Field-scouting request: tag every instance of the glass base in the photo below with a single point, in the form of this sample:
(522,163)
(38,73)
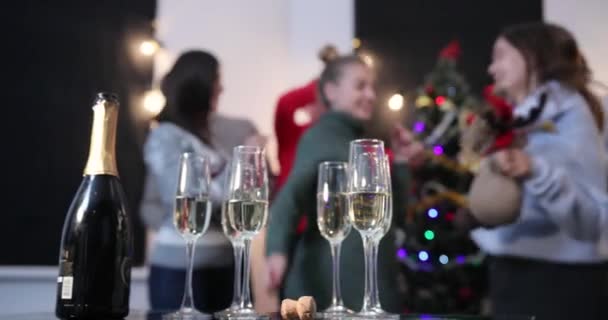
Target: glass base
(187,314)
(226,313)
(375,314)
(381,314)
(335,312)
(239,314)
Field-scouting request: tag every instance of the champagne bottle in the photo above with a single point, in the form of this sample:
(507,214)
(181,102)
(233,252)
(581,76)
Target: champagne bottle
(96,243)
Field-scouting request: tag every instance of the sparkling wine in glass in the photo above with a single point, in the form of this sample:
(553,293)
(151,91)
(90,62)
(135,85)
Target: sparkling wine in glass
(386,226)
(247,209)
(191,215)
(334,225)
(369,195)
(238,246)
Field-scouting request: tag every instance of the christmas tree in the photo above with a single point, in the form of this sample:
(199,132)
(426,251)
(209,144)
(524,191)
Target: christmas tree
(444,269)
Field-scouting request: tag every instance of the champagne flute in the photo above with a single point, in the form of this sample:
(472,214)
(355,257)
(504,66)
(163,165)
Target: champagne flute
(334,225)
(237,246)
(191,216)
(369,194)
(247,209)
(386,226)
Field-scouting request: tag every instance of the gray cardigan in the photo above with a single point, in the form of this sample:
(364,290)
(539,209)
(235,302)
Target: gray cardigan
(161,153)
(162,150)
(226,133)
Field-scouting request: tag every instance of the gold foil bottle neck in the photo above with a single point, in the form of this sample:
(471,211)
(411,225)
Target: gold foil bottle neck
(102,151)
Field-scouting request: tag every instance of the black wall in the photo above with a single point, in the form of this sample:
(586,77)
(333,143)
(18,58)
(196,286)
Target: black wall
(405,37)
(58,54)
(61,53)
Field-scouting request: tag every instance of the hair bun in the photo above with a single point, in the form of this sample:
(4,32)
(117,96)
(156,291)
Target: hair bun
(327,53)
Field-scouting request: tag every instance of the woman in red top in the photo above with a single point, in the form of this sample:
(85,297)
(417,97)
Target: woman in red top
(297,110)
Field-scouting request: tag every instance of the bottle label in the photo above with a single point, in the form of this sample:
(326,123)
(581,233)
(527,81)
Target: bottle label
(66,287)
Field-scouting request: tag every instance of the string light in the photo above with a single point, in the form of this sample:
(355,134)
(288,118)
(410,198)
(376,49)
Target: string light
(433,213)
(148,47)
(419,127)
(369,61)
(302,117)
(438,150)
(429,235)
(423,256)
(440,100)
(395,102)
(443,259)
(423,101)
(460,259)
(402,253)
(356,43)
(154,102)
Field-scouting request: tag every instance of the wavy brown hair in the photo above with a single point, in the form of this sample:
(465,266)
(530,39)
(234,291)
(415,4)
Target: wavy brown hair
(551,53)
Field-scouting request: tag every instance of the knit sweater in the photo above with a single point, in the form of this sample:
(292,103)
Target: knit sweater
(564,214)
(310,261)
(162,151)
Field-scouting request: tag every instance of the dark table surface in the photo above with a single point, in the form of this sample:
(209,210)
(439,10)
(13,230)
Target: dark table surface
(157,315)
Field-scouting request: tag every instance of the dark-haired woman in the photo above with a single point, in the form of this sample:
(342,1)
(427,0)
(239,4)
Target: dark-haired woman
(192,88)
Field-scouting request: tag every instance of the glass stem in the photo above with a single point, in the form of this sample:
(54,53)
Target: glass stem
(238,266)
(336,300)
(375,292)
(246,297)
(367,306)
(187,302)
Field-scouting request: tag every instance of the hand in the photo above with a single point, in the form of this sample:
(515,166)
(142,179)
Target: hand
(276,265)
(256,140)
(405,148)
(514,163)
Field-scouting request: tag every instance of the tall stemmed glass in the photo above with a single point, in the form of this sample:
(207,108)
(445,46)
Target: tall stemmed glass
(191,216)
(386,226)
(369,193)
(247,208)
(334,225)
(238,246)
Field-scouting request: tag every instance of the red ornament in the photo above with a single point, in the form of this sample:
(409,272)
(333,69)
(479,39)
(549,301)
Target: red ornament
(502,109)
(504,113)
(450,216)
(451,51)
(465,293)
(440,100)
(471,118)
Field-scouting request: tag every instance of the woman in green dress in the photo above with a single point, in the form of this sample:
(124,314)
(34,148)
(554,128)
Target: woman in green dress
(301,265)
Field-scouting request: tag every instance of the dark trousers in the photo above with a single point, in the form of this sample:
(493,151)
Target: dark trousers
(211,288)
(548,291)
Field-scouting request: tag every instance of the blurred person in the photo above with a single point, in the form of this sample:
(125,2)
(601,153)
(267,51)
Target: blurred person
(296,111)
(346,86)
(228,132)
(547,263)
(189,123)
